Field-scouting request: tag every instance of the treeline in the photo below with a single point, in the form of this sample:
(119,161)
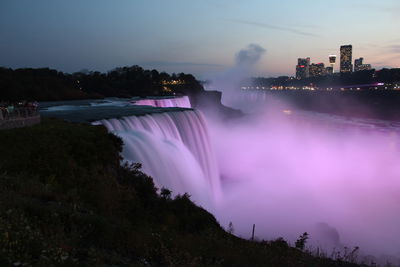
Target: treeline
(37,84)
(340,79)
(135,81)
(48,85)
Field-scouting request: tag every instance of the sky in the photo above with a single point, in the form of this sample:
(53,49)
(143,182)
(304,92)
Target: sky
(194,36)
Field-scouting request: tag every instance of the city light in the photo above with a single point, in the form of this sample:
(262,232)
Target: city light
(312,76)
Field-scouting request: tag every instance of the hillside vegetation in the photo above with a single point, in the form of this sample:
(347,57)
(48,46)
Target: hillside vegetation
(65,200)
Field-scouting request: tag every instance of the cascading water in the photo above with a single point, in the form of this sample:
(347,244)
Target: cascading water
(173,148)
(286,172)
(182,102)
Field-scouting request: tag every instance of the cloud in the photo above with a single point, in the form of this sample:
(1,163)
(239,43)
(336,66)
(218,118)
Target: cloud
(250,55)
(394,48)
(392,10)
(275,27)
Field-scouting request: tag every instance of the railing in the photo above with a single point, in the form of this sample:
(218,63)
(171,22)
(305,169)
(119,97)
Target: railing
(17,113)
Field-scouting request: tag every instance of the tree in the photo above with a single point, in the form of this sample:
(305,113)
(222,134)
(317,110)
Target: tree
(165,193)
(301,242)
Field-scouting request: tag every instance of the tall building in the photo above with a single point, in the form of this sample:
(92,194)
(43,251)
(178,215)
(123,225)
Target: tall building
(332,62)
(346,53)
(357,63)
(329,70)
(360,66)
(303,68)
(317,70)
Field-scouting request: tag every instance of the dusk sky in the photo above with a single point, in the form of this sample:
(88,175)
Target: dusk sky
(194,36)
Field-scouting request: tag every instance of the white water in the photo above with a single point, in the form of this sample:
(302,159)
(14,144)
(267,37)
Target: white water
(174,149)
(181,102)
(287,177)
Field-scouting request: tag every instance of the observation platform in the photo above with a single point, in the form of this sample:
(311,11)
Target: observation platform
(18,118)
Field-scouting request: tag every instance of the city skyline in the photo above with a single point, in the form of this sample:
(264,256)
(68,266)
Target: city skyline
(200,37)
(305,68)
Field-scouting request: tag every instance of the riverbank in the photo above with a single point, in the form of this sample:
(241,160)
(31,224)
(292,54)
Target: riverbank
(66,201)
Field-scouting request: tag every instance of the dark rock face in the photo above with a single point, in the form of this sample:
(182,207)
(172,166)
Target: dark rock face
(209,102)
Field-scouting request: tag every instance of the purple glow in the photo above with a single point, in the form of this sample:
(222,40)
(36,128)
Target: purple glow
(285,171)
(174,148)
(289,172)
(181,102)
(293,173)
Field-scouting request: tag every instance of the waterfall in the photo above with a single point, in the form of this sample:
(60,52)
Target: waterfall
(181,102)
(174,149)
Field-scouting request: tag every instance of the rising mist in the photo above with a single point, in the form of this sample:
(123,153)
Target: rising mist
(290,172)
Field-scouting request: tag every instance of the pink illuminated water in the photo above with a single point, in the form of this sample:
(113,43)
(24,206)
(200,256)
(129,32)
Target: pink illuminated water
(289,171)
(288,176)
(182,102)
(286,172)
(173,148)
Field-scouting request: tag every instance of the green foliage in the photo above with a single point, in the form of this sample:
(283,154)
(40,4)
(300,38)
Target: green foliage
(49,85)
(301,242)
(65,200)
(38,84)
(165,193)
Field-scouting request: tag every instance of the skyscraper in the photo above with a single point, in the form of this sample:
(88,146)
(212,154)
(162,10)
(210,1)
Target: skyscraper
(357,63)
(360,66)
(332,62)
(303,68)
(317,70)
(346,52)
